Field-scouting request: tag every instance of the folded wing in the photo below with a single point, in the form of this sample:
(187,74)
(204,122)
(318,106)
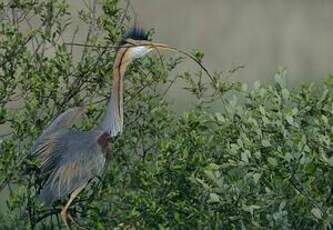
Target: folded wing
(74,158)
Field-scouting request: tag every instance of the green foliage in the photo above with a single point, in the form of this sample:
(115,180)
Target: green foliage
(263,160)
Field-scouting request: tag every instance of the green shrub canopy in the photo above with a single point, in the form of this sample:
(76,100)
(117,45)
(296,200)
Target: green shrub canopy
(241,158)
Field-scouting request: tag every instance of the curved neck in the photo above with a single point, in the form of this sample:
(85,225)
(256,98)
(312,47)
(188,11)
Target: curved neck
(113,118)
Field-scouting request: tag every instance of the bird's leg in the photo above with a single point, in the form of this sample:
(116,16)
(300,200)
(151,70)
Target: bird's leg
(76,223)
(64,214)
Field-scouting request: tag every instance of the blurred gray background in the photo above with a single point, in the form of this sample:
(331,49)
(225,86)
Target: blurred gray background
(261,34)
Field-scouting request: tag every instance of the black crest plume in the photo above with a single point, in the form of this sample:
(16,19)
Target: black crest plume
(135,33)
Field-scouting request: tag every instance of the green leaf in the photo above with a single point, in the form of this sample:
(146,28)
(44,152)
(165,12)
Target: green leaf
(266,143)
(272,161)
(317,213)
(256,177)
(213,198)
(330,161)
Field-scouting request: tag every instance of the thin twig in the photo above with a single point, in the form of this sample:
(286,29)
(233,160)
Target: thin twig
(169,86)
(91,26)
(124,16)
(300,188)
(31,28)
(73,38)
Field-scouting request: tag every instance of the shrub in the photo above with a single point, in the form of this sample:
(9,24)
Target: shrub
(242,158)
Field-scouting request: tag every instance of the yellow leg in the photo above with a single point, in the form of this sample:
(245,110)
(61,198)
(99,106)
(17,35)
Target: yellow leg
(64,214)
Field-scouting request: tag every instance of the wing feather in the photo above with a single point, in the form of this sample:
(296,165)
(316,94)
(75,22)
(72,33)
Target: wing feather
(48,146)
(65,120)
(69,158)
(77,161)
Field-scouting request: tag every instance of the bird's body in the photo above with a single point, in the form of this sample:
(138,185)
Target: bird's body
(70,158)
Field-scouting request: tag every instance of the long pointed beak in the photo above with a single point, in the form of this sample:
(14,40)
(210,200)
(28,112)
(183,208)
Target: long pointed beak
(140,50)
(160,46)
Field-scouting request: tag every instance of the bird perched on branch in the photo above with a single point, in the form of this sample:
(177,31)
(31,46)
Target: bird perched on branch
(71,158)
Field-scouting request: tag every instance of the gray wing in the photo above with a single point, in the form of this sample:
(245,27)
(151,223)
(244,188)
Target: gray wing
(43,146)
(45,143)
(74,158)
(64,120)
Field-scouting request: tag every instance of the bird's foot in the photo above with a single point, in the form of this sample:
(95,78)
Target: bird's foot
(66,216)
(76,223)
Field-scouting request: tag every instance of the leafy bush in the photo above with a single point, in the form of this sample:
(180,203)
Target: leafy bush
(263,159)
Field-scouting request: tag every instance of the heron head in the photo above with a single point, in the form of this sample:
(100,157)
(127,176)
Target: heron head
(137,45)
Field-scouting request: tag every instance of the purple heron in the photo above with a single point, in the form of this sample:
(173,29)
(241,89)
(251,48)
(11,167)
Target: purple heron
(70,158)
